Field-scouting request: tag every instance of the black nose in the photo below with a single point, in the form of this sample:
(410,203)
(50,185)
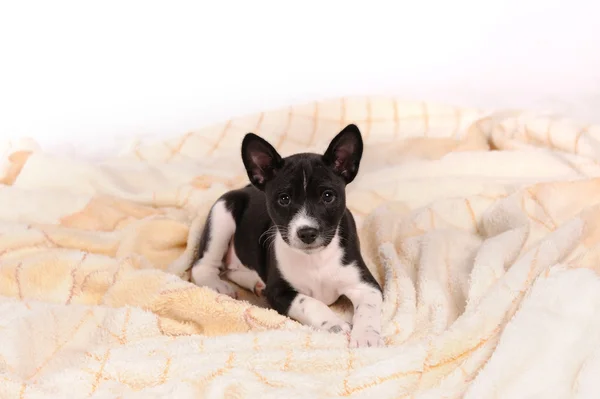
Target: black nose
(308,235)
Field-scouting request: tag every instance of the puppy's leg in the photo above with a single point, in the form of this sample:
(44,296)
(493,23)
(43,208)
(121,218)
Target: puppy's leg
(246,278)
(241,275)
(220,227)
(312,312)
(366,322)
(305,309)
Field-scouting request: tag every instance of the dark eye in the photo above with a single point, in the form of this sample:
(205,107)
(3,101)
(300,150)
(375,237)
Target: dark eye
(328,196)
(284,199)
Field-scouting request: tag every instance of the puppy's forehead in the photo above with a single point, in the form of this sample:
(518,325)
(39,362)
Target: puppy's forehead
(304,171)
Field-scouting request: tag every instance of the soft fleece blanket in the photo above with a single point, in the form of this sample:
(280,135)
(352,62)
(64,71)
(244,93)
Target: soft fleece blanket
(483,227)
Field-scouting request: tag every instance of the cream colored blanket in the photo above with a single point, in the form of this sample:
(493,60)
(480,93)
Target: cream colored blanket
(484,229)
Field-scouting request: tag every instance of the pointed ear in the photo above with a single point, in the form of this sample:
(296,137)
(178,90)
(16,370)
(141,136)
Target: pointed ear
(260,159)
(344,152)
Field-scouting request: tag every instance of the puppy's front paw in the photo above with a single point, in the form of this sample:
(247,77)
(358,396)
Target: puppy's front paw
(336,326)
(367,337)
(200,278)
(222,287)
(259,288)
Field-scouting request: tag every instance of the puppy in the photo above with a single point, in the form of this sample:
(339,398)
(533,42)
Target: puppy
(291,229)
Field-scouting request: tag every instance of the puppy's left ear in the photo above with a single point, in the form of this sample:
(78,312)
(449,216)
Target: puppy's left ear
(260,159)
(344,152)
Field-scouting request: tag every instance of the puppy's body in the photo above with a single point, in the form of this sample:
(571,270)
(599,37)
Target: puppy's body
(291,229)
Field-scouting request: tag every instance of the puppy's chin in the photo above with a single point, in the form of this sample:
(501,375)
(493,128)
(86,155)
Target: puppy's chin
(315,247)
(311,249)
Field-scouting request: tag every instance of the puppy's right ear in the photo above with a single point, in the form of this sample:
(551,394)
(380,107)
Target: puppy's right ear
(344,152)
(260,159)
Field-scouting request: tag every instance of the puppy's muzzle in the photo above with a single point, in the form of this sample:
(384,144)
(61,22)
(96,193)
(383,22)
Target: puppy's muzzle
(307,235)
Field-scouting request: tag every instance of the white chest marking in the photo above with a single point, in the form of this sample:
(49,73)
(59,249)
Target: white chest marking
(320,275)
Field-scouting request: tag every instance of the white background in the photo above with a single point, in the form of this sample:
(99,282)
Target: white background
(83,76)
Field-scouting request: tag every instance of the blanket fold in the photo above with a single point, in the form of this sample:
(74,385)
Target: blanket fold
(481,226)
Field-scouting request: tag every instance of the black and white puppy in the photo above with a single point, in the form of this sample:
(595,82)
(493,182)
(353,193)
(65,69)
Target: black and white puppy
(291,229)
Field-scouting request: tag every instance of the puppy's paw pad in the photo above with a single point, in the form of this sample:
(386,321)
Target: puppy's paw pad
(365,338)
(224,288)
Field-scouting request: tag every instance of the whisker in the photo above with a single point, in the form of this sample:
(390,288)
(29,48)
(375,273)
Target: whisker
(270,234)
(271,231)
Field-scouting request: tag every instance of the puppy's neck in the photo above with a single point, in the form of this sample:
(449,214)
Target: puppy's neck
(284,251)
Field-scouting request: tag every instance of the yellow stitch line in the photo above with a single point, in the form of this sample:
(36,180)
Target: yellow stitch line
(342,113)
(165,373)
(48,238)
(457,114)
(116,274)
(159,326)
(18,270)
(265,381)
(187,198)
(81,322)
(286,130)
(447,263)
(178,147)
(73,278)
(84,283)
(527,135)
(532,267)
(100,372)
(396,120)
(259,123)
(538,221)
(288,359)
(72,289)
(532,217)
(104,328)
(425,119)
(397,328)
(379,381)
(315,119)
(292,140)
(308,341)
(22,390)
(369,120)
(178,290)
(349,368)
(379,196)
(138,154)
(7,365)
(578,137)
(356,121)
(472,214)
(491,198)
(431,219)
(549,135)
(123,336)
(222,370)
(447,222)
(462,355)
(535,198)
(221,137)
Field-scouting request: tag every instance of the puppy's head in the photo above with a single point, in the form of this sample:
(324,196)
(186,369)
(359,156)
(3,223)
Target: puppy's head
(305,193)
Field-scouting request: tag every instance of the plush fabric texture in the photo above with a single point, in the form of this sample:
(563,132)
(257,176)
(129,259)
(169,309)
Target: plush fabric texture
(483,227)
